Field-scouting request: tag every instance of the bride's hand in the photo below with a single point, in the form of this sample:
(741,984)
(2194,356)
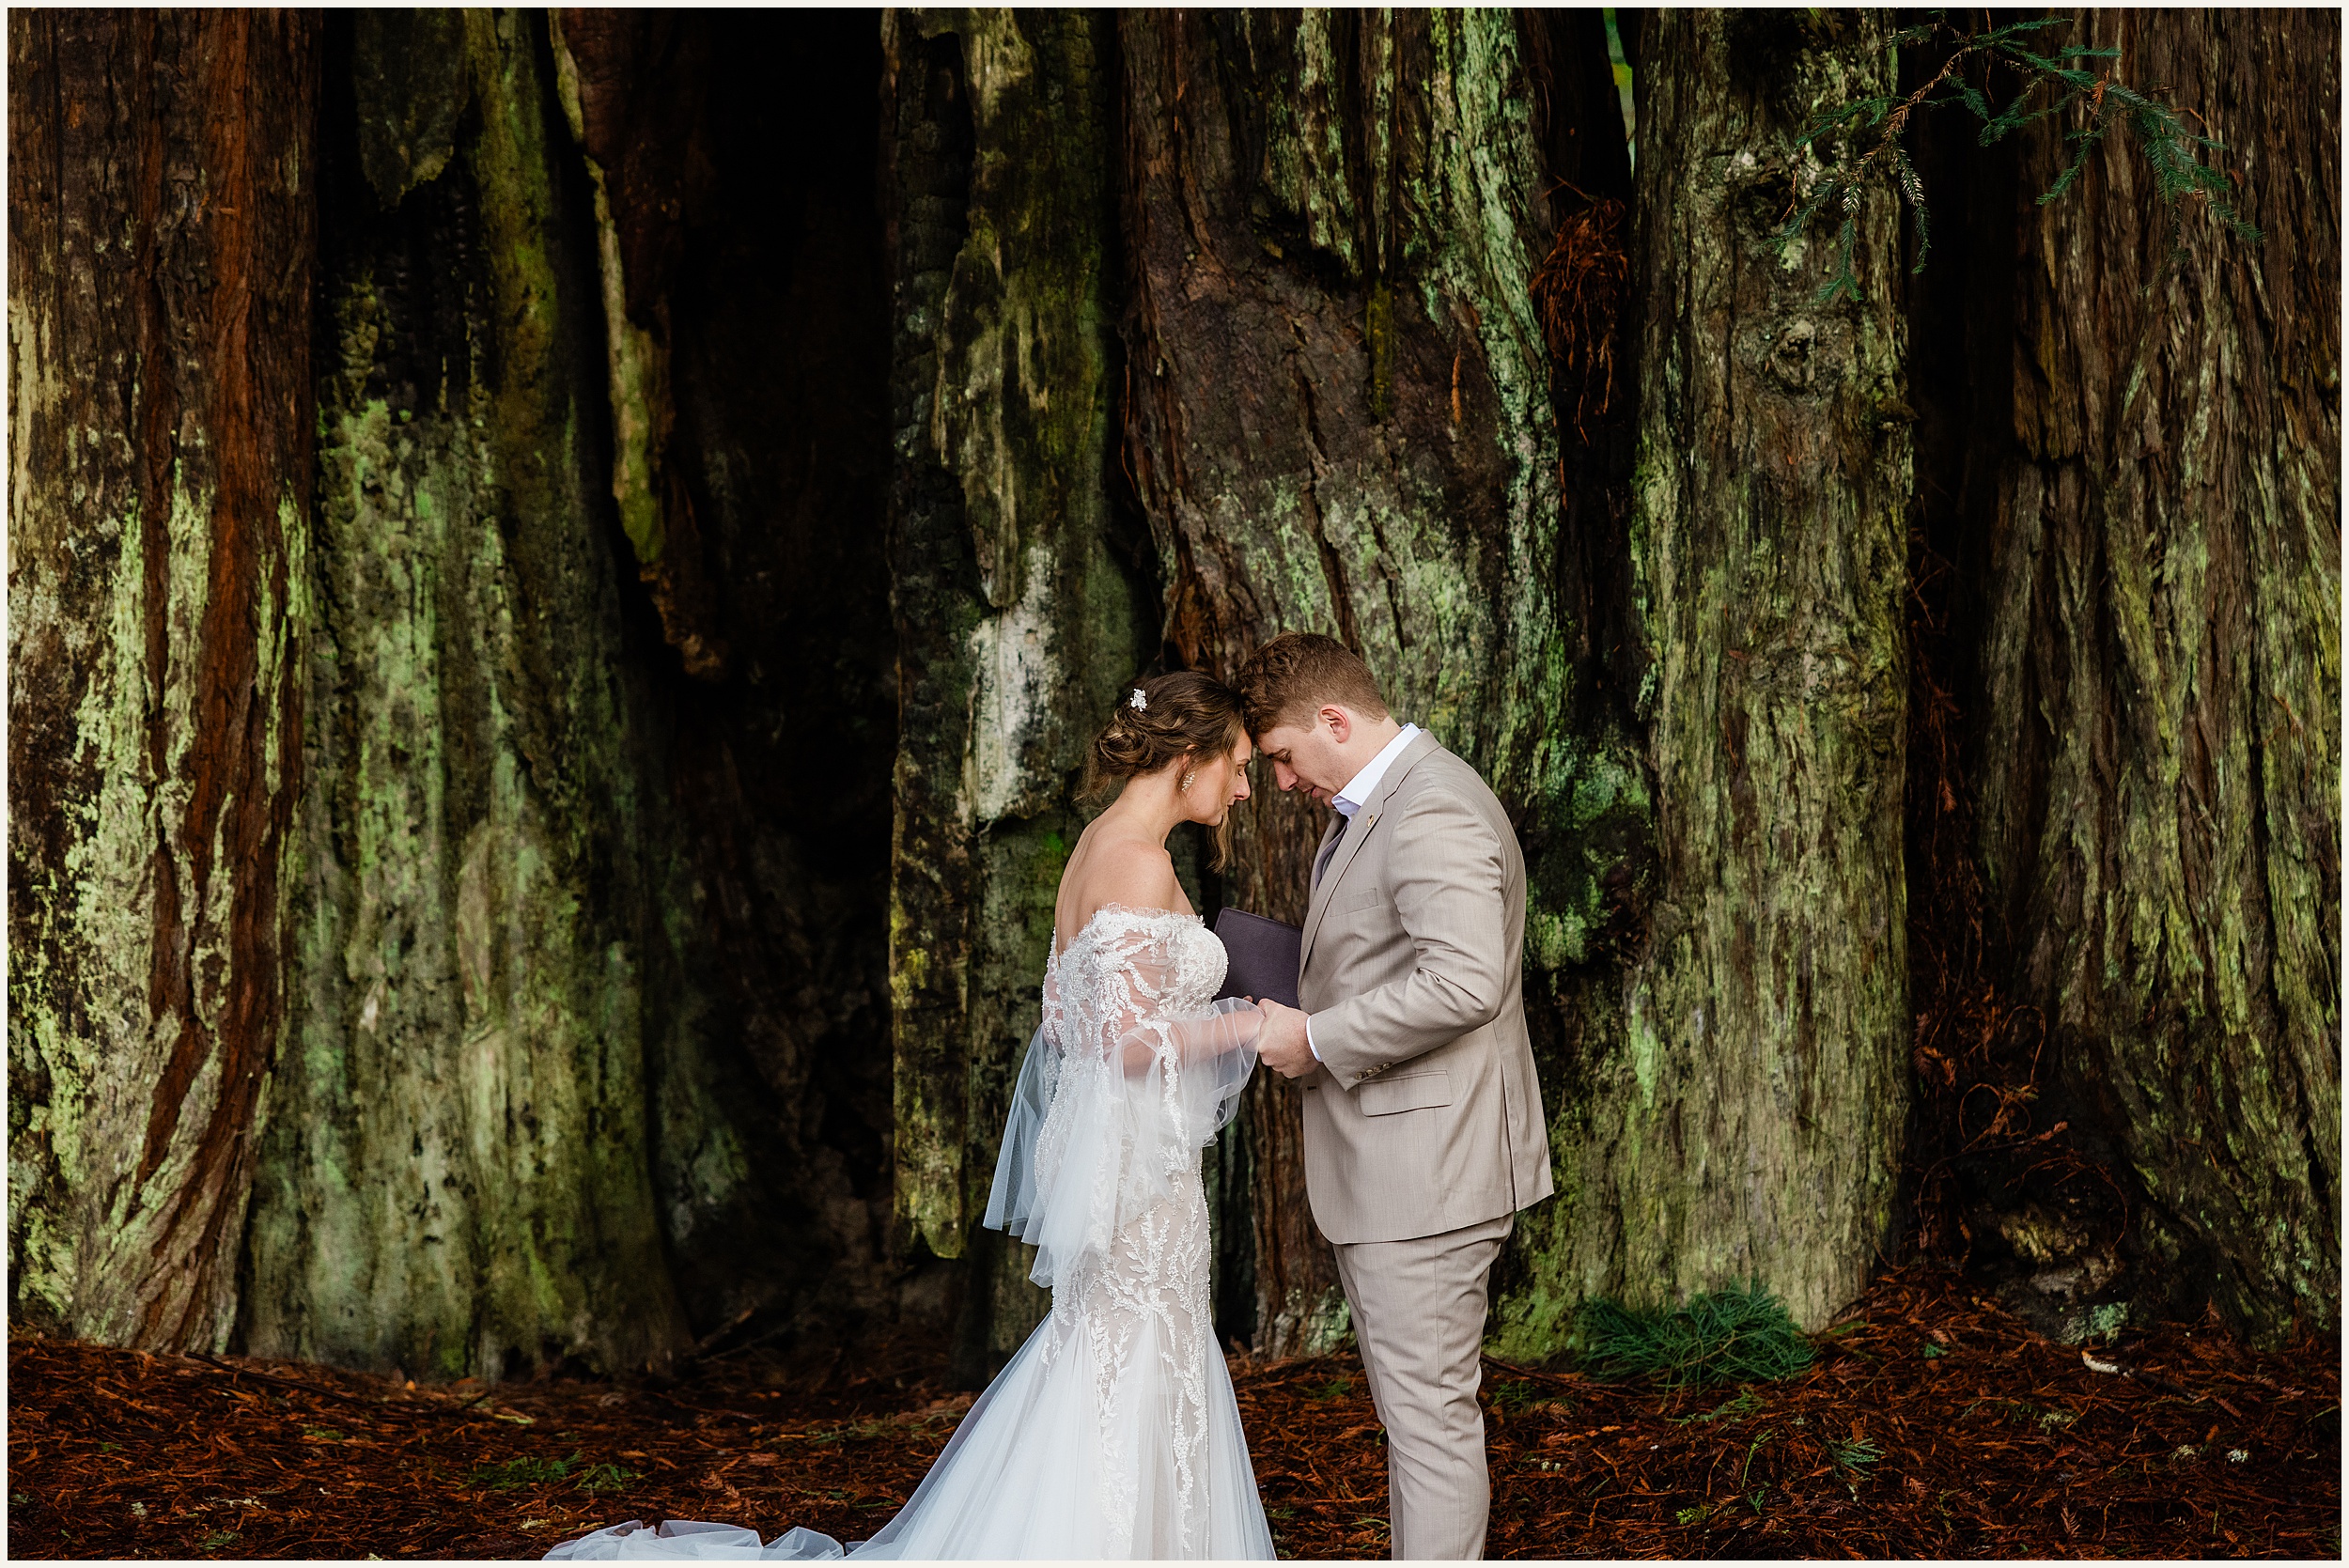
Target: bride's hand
(1245,1025)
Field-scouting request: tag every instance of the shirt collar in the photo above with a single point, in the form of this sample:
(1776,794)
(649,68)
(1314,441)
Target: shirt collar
(1360,788)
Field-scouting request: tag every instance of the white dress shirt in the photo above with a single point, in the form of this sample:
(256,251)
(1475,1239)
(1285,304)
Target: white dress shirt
(1357,792)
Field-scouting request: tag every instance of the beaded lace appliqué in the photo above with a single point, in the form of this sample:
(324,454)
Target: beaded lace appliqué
(1125,969)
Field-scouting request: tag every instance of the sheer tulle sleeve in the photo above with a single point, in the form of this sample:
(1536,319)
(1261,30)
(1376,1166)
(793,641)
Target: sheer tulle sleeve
(1011,1206)
(1119,1089)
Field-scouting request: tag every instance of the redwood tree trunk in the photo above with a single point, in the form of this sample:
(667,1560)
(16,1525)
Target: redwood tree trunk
(1339,418)
(1747,1122)
(1015,620)
(161,249)
(2157,736)
(457,1177)
(630,761)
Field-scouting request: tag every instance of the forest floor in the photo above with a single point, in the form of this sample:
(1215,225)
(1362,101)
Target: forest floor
(1932,1423)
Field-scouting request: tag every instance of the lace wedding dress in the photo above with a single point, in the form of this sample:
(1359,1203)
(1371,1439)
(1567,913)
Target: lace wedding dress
(1114,1432)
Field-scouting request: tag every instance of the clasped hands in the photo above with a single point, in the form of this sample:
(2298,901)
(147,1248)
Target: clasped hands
(1281,1043)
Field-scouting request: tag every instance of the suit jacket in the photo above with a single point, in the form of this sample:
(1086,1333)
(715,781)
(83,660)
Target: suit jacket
(1425,1116)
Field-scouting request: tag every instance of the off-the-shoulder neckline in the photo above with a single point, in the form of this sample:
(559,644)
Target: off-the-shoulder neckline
(1094,919)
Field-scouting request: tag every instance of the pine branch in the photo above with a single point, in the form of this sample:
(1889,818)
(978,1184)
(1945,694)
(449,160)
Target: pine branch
(2182,161)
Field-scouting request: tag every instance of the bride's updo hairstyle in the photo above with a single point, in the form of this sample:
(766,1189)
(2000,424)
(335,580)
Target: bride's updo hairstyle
(1182,714)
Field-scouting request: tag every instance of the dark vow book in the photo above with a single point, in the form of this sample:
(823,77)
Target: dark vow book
(1264,956)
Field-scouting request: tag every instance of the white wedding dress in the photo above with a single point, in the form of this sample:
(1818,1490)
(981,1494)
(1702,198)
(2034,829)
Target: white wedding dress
(1114,1432)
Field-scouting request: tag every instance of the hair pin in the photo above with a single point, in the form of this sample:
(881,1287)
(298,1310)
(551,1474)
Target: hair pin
(1137,701)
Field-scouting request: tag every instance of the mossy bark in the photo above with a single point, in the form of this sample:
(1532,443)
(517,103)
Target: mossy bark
(1746,1121)
(629,761)
(1014,620)
(456,1181)
(1338,418)
(2159,703)
(161,181)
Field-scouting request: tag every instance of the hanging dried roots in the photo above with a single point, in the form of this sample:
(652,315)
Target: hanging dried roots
(1579,293)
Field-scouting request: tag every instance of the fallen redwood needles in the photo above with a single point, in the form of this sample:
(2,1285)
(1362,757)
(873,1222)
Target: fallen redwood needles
(1932,1423)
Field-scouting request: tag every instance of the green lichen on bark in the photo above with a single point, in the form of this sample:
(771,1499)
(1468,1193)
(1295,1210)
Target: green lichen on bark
(1014,619)
(1740,1114)
(2161,666)
(1341,216)
(457,1183)
(1016,867)
(1425,540)
(160,473)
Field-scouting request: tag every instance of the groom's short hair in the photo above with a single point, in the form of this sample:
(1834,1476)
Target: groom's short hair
(1286,679)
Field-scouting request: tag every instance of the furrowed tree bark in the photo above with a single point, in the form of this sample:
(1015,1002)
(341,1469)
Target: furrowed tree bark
(1748,1124)
(2159,687)
(1014,623)
(456,1181)
(160,247)
(553,643)
(1338,418)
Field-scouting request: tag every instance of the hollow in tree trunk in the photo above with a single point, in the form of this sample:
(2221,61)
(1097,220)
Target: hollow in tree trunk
(746,322)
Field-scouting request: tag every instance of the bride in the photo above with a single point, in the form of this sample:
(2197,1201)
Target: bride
(1114,1432)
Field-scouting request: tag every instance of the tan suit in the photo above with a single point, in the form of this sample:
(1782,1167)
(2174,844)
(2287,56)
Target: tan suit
(1423,1126)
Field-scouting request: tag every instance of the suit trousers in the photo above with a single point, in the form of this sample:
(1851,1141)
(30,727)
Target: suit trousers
(1418,1317)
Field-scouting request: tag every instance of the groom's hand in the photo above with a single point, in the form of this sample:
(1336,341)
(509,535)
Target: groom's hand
(1280,1044)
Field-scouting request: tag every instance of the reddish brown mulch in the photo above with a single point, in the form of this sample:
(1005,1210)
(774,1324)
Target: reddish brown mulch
(1933,1425)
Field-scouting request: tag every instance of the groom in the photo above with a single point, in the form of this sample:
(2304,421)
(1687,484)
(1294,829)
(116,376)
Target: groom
(1423,1127)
